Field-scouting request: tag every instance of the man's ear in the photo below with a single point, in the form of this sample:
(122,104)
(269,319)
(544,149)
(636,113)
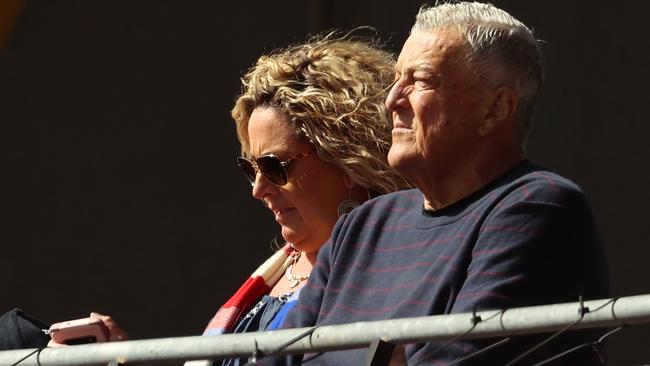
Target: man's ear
(501,108)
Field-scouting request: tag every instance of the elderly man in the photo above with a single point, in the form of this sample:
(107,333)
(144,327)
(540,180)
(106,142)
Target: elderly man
(485,229)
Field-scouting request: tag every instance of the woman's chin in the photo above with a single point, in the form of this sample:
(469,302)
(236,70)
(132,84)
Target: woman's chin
(302,240)
(299,243)
(306,247)
(292,236)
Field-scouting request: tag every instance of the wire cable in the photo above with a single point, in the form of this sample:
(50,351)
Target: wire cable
(475,320)
(36,351)
(594,345)
(260,353)
(313,357)
(581,312)
(480,351)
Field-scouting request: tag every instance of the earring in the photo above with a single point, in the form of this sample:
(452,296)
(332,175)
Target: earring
(347,205)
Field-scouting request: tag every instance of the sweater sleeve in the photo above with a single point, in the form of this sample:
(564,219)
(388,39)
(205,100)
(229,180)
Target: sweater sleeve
(536,248)
(539,245)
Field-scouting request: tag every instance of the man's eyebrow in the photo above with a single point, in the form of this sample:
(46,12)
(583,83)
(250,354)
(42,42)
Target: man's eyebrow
(422,66)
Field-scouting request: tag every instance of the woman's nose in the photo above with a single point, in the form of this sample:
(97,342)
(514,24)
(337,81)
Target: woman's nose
(261,186)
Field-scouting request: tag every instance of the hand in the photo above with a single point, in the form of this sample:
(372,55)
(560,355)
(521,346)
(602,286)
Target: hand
(115,333)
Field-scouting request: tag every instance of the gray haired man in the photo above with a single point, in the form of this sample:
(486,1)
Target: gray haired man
(485,228)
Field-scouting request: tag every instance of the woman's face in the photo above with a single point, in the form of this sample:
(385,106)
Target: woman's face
(305,207)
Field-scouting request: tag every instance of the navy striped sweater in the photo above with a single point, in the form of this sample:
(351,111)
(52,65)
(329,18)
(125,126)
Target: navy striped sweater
(527,238)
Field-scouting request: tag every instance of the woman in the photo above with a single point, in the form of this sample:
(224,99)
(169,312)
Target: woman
(314,134)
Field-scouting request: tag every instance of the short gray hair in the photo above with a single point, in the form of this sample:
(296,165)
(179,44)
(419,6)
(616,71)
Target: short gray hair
(502,49)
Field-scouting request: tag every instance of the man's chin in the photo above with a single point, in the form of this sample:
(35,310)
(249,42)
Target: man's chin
(399,157)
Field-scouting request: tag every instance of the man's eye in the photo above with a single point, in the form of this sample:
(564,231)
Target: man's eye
(420,83)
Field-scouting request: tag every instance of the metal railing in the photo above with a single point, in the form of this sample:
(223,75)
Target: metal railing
(482,324)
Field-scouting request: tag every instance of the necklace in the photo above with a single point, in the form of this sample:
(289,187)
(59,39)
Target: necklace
(293,279)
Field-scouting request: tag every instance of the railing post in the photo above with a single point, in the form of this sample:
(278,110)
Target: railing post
(120,361)
(379,353)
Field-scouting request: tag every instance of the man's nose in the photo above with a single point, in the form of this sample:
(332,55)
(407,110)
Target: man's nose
(396,97)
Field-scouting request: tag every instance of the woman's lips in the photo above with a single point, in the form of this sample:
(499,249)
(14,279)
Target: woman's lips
(282,214)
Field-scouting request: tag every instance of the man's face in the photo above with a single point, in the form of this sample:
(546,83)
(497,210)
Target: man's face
(436,110)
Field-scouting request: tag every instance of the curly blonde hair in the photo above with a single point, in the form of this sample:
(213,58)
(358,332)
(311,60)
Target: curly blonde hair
(333,92)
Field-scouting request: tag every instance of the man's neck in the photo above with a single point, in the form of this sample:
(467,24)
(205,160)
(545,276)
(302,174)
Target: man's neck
(446,188)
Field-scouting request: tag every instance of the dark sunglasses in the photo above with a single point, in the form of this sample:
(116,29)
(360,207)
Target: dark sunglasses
(270,166)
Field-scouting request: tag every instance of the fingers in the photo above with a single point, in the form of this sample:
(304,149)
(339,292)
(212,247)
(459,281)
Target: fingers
(52,343)
(115,332)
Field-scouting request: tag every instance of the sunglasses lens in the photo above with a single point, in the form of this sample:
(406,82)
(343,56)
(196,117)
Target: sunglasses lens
(272,169)
(247,168)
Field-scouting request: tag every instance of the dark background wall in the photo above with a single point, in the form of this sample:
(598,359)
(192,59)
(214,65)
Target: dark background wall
(120,193)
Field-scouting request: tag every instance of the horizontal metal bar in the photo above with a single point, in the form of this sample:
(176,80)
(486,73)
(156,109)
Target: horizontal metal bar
(495,323)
